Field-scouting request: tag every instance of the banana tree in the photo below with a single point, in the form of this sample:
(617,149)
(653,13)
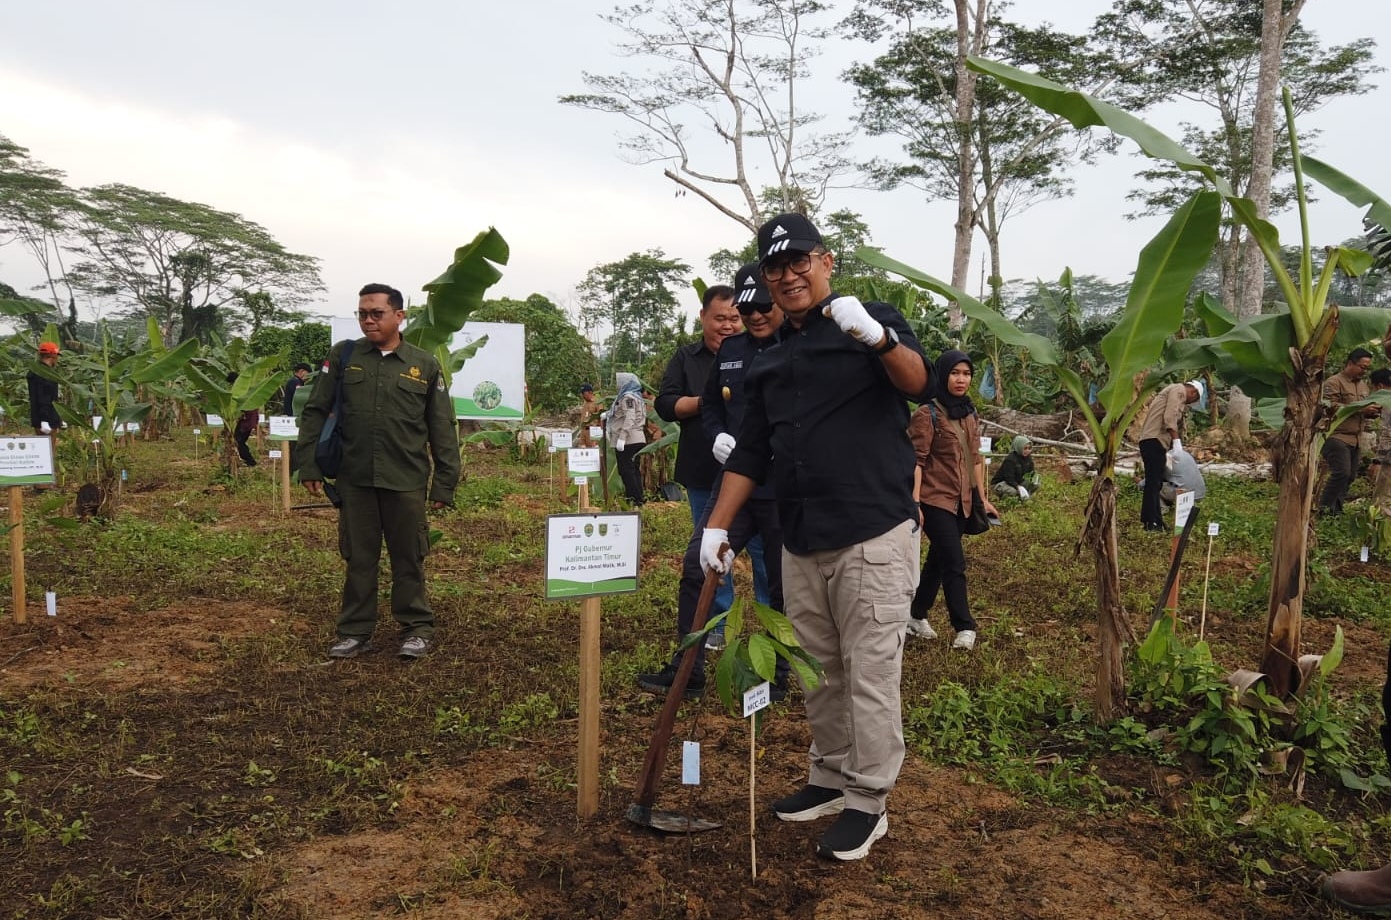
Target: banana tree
(109,388)
(228,383)
(1153,313)
(454,295)
(1284,352)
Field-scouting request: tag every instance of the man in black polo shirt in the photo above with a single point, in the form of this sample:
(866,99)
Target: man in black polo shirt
(826,423)
(722,410)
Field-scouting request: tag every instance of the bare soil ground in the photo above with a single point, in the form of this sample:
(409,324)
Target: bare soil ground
(224,768)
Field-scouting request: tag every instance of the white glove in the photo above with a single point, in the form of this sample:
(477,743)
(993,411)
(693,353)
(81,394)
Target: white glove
(618,445)
(854,320)
(1024,493)
(710,541)
(45,428)
(724,446)
(64,426)
(1177,448)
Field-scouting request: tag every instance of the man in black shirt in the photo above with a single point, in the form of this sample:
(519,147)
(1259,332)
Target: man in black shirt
(301,374)
(826,423)
(721,411)
(679,400)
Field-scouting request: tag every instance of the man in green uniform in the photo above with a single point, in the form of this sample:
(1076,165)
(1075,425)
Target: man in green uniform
(396,418)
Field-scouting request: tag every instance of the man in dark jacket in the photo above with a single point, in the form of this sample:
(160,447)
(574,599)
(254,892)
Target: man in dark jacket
(301,374)
(43,393)
(397,422)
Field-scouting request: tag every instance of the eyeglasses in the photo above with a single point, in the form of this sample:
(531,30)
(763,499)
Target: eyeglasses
(800,263)
(375,316)
(748,309)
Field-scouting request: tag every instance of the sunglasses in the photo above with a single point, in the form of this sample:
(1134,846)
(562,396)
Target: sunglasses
(748,309)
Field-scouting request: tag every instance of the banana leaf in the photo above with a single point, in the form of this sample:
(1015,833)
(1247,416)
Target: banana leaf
(167,365)
(1378,209)
(459,291)
(1154,307)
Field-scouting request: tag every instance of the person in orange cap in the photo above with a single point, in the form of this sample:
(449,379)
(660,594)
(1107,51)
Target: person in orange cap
(43,393)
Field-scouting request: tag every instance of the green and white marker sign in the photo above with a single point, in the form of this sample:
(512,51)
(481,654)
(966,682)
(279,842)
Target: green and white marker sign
(583,461)
(592,554)
(283,428)
(26,461)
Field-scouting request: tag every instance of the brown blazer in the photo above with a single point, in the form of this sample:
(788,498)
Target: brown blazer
(948,465)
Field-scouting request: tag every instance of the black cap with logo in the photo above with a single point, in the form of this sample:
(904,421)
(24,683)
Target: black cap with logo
(787,233)
(749,286)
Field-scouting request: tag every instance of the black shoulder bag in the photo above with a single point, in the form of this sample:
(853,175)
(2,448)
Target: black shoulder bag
(328,453)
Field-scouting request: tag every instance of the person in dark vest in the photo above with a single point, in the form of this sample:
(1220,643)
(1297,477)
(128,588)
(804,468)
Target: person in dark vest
(43,393)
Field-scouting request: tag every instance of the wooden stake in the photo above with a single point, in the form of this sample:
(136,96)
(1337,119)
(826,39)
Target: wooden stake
(1207,574)
(21,615)
(753,841)
(285,477)
(587,805)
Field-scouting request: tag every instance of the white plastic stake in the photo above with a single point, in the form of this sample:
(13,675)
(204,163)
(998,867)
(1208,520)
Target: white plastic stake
(690,763)
(1364,554)
(51,600)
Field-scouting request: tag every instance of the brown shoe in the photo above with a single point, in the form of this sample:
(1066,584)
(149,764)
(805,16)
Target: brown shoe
(1366,892)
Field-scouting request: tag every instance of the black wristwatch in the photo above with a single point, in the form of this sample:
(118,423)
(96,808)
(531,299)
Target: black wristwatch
(890,341)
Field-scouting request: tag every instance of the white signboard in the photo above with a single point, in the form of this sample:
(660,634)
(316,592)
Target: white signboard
(595,433)
(283,428)
(214,421)
(756,698)
(1183,506)
(583,461)
(984,445)
(26,461)
(562,440)
(492,383)
(592,554)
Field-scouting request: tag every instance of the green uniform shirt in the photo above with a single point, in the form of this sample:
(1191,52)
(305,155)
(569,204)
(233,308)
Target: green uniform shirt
(394,407)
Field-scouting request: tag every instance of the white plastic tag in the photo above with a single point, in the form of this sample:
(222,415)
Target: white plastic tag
(984,445)
(197,432)
(274,454)
(50,599)
(1213,529)
(690,763)
(1364,554)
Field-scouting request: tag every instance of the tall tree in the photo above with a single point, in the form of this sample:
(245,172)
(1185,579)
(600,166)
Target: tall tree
(1213,52)
(187,265)
(968,142)
(631,303)
(36,208)
(734,68)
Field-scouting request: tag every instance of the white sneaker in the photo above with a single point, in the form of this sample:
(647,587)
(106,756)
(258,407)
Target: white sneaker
(965,640)
(921,628)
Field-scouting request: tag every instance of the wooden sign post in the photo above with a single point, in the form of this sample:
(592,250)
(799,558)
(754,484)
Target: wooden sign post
(590,554)
(284,431)
(23,462)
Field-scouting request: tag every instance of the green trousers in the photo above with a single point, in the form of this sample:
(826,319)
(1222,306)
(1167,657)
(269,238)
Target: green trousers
(367,516)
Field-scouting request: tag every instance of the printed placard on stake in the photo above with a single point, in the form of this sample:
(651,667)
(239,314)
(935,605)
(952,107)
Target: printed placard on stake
(984,444)
(562,440)
(1183,506)
(583,462)
(592,554)
(596,433)
(26,461)
(283,428)
(214,421)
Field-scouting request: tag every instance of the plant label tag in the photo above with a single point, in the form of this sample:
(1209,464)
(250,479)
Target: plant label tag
(756,698)
(581,480)
(274,454)
(1364,554)
(197,432)
(690,763)
(50,600)
(984,445)
(124,476)
(595,433)
(1183,506)
(562,440)
(214,421)
(1213,529)
(552,449)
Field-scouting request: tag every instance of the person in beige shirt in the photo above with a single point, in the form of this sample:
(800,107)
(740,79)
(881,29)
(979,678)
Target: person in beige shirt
(1162,429)
(1341,447)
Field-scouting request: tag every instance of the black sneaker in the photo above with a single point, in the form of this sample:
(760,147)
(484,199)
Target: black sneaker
(852,835)
(662,681)
(809,804)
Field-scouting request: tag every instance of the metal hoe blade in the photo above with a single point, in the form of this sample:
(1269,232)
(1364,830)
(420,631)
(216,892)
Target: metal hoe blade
(669,822)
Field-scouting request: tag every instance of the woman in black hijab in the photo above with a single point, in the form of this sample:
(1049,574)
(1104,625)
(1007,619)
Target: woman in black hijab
(945,431)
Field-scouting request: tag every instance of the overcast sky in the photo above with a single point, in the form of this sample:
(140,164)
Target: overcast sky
(378,137)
